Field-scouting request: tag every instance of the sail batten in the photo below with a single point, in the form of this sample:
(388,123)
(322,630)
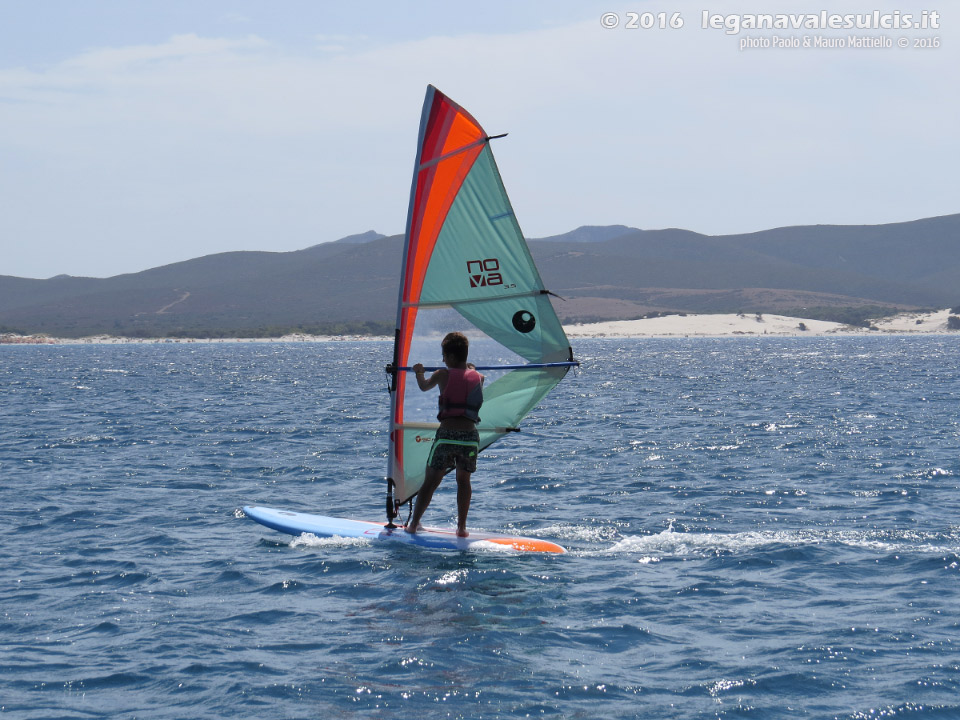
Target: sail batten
(451,153)
(466,301)
(466,266)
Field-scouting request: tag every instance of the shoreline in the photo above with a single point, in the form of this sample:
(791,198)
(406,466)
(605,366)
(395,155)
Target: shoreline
(667,326)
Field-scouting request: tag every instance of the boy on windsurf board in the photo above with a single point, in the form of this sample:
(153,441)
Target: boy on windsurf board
(457,441)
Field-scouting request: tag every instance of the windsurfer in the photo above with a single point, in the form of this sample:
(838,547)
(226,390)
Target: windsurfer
(457,441)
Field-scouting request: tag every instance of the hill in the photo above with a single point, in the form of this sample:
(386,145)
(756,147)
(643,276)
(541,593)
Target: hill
(905,265)
(605,273)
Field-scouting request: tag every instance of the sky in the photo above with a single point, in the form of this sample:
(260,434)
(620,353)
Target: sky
(138,134)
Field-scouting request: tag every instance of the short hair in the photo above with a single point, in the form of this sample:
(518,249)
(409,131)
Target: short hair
(456,345)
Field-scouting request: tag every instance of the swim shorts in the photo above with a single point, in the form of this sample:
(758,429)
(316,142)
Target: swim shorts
(455,448)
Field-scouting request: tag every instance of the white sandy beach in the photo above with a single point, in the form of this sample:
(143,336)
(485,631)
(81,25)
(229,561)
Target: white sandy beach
(660,327)
(757,325)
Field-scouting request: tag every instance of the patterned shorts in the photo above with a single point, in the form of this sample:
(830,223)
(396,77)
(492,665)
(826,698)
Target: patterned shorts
(455,448)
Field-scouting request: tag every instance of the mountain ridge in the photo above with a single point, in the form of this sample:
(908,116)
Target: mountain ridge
(604,272)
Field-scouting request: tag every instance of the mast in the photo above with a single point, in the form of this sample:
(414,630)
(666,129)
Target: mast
(397,378)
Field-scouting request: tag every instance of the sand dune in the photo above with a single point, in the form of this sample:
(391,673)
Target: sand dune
(756,325)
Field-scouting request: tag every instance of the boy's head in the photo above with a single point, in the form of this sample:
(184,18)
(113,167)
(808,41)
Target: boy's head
(455,347)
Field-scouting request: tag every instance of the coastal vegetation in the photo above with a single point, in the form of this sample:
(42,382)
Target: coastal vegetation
(859,316)
(366,329)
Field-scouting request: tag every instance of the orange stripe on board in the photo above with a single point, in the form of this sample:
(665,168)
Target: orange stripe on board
(528,544)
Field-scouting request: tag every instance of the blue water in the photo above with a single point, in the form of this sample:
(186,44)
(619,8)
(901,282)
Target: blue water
(758,529)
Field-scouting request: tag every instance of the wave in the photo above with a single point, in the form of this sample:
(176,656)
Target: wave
(309,540)
(670,543)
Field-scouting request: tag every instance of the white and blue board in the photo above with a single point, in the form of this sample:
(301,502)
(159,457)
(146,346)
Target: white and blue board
(295,523)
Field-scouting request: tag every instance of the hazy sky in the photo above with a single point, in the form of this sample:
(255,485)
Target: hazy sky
(136,134)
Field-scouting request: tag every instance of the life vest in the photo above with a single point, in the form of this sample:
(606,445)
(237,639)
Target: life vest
(462,396)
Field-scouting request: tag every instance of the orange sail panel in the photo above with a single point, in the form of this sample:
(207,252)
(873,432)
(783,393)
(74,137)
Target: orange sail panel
(450,140)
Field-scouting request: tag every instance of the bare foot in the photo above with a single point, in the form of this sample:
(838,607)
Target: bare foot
(462,532)
(412,530)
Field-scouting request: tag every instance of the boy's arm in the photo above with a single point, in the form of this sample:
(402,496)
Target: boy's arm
(425,383)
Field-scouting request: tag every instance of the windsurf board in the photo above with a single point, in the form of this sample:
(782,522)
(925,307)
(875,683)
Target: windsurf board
(296,523)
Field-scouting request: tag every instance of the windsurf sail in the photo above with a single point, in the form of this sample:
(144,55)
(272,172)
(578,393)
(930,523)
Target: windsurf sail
(465,267)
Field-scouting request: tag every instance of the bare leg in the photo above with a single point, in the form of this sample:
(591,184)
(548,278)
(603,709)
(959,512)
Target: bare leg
(431,482)
(464,493)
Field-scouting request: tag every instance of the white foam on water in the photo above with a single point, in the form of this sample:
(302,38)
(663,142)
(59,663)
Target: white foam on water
(310,540)
(669,543)
(583,533)
(452,578)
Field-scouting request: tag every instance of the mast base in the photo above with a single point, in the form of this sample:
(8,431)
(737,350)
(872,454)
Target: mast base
(391,506)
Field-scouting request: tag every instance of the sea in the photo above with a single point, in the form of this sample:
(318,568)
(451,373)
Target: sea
(757,528)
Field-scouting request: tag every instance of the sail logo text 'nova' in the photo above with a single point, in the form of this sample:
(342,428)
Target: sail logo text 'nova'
(484,273)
